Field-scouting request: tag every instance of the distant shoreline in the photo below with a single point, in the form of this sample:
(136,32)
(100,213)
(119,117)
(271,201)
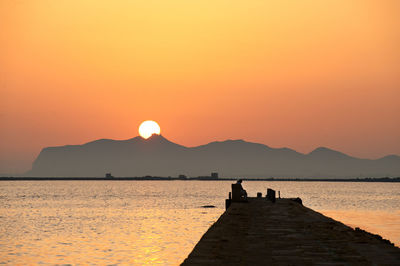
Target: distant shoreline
(154,178)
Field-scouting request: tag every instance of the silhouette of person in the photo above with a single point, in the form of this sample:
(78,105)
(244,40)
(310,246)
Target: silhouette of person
(244,193)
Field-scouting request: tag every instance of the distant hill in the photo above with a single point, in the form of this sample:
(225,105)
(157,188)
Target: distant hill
(158,156)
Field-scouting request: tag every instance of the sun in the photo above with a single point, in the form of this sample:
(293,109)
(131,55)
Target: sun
(148,128)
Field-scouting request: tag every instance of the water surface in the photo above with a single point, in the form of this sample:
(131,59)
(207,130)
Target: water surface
(157,222)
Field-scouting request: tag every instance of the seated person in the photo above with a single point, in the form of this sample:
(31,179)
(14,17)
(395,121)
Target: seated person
(238,193)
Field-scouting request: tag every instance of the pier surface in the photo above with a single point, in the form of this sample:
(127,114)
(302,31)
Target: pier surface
(286,233)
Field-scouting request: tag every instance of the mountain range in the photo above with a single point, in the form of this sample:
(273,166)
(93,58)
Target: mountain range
(157,156)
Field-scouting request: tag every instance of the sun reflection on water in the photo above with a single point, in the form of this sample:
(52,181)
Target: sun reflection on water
(133,223)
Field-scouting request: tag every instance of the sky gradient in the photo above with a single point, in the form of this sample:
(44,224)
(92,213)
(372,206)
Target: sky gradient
(297,74)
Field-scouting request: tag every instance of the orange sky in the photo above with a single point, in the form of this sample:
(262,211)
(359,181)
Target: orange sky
(299,74)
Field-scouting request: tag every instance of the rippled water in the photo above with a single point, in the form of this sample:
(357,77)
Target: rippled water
(157,222)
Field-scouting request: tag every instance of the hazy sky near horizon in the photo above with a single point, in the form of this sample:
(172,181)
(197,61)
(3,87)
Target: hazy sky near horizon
(297,74)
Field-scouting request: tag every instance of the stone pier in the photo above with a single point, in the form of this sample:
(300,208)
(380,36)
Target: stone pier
(287,233)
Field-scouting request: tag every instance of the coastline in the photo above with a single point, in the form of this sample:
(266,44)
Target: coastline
(205,178)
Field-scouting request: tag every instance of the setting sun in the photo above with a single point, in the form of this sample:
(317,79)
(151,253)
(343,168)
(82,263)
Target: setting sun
(148,128)
(257,99)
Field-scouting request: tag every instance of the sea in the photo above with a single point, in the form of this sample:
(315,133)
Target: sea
(158,222)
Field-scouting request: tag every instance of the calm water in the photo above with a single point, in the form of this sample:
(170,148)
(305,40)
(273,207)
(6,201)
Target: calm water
(157,222)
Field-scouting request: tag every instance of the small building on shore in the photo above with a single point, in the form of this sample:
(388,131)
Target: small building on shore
(109,176)
(182,177)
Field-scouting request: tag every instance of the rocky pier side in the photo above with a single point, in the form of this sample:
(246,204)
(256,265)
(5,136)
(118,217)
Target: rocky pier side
(261,232)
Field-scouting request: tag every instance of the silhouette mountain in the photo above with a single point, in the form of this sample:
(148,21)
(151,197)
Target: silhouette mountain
(158,156)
